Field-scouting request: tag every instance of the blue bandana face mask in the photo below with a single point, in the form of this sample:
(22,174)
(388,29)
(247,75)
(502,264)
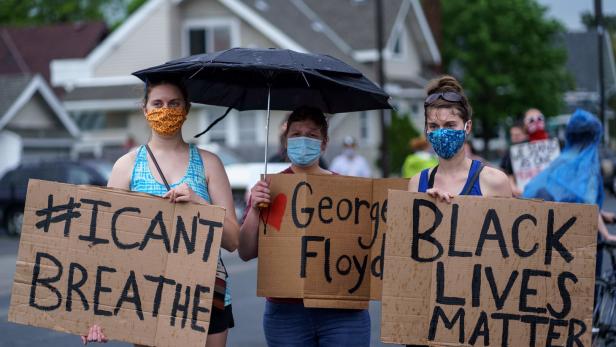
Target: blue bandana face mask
(303,151)
(447,142)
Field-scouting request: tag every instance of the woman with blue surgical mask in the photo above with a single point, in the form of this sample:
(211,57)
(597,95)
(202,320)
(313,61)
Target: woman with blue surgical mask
(286,322)
(448,124)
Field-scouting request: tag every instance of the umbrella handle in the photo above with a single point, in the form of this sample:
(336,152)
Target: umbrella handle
(265,204)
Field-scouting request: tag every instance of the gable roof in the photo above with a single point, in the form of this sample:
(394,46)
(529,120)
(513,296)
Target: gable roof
(18,90)
(582,58)
(18,54)
(339,27)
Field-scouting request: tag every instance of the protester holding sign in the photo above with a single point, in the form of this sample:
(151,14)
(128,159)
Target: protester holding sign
(286,321)
(575,176)
(197,176)
(517,135)
(448,123)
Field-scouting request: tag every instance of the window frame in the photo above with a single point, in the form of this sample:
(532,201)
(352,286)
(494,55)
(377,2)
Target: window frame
(210,23)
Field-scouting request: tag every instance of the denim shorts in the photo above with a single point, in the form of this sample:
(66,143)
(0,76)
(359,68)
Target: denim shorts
(291,325)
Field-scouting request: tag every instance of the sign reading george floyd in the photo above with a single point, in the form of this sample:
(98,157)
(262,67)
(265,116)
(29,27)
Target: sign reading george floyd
(530,158)
(322,239)
(140,267)
(488,272)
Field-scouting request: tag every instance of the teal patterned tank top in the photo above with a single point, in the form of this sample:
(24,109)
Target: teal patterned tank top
(143,181)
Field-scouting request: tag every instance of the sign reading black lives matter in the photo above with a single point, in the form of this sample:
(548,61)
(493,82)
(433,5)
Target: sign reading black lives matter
(530,158)
(488,272)
(142,268)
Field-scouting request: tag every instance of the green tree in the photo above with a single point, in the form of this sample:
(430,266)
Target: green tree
(399,132)
(505,53)
(42,12)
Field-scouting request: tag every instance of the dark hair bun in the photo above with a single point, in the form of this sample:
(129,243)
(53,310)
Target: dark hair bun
(444,83)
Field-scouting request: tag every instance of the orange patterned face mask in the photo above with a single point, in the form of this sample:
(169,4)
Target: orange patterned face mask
(166,120)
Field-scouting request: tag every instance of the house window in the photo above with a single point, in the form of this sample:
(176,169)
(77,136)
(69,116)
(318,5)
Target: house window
(218,133)
(398,49)
(363,126)
(210,36)
(247,127)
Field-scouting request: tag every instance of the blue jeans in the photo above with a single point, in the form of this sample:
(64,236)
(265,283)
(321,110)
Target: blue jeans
(293,325)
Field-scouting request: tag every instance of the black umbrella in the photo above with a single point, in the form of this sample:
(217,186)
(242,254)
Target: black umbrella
(271,79)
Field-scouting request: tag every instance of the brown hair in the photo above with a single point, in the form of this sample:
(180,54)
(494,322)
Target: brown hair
(418,144)
(444,84)
(149,85)
(308,113)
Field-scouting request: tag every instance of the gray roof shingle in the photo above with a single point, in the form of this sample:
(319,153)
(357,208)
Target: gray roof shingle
(12,87)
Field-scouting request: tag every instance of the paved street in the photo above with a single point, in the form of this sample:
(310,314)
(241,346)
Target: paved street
(248,309)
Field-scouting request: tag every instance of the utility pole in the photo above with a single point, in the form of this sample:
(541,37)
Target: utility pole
(600,39)
(381,80)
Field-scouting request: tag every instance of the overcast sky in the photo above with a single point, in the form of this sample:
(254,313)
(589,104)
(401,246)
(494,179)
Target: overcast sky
(569,11)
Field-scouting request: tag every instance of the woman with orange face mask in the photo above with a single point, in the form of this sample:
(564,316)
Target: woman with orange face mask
(189,174)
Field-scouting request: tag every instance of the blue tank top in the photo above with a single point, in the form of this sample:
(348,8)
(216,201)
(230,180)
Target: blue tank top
(475,189)
(143,181)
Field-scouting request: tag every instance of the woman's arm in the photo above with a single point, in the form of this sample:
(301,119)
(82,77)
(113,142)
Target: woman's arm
(414,183)
(249,232)
(603,230)
(122,171)
(220,192)
(495,183)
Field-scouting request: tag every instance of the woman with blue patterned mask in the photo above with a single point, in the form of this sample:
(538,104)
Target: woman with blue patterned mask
(286,322)
(448,124)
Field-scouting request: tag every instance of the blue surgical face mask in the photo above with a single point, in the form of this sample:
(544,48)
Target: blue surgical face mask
(303,151)
(447,142)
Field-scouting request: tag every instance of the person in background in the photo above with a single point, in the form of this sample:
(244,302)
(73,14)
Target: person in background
(534,123)
(517,134)
(349,162)
(420,158)
(286,321)
(575,175)
(448,124)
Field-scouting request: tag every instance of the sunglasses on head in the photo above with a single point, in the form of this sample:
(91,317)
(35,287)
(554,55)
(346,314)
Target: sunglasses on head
(447,96)
(537,118)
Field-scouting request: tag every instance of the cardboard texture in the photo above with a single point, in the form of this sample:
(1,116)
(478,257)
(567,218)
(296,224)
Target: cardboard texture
(321,239)
(530,158)
(117,259)
(514,273)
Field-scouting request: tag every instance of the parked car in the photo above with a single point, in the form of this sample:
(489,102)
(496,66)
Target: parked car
(14,184)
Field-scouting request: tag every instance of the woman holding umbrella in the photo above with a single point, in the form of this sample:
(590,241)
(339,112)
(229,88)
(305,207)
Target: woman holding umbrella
(287,322)
(448,123)
(197,176)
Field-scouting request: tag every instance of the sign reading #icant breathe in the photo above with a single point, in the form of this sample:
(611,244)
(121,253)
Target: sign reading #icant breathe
(135,264)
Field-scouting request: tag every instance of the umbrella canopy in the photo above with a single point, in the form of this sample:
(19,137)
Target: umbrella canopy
(243,78)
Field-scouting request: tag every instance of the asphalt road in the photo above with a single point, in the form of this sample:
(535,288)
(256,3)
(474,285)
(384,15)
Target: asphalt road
(247,307)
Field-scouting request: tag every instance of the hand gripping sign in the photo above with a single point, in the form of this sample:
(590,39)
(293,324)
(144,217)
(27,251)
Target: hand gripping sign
(137,265)
(488,272)
(322,239)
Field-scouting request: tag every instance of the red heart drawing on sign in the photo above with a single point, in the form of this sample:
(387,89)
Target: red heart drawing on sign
(274,213)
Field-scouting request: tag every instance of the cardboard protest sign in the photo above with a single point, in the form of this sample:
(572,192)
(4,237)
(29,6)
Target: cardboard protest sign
(139,266)
(488,272)
(530,158)
(321,239)
(378,215)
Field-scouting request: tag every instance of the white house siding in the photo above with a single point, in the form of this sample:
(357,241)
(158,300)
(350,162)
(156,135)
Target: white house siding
(36,115)
(148,45)
(408,66)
